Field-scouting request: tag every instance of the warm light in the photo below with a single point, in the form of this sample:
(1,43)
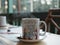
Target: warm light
(48,2)
(35,0)
(24,8)
(6,6)
(42,1)
(6,2)
(14,6)
(56,6)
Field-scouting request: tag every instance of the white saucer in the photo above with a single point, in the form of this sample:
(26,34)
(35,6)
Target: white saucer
(40,39)
(29,40)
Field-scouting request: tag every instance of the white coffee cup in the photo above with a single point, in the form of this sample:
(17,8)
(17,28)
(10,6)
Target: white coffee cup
(3,21)
(31,28)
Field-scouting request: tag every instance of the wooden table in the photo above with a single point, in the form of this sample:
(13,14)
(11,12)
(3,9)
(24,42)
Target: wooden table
(36,43)
(11,38)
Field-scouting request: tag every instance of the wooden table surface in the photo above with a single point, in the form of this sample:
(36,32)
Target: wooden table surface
(35,43)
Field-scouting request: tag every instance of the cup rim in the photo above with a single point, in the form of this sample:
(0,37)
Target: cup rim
(30,18)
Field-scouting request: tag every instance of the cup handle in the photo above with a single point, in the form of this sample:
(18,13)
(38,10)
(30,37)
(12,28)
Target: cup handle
(45,28)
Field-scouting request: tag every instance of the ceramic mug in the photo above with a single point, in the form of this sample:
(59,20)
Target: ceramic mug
(31,28)
(3,21)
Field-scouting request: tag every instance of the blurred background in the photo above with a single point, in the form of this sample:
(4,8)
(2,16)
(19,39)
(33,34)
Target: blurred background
(15,10)
(22,6)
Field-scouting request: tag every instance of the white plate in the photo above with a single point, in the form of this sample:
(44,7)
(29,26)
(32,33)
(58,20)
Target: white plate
(40,39)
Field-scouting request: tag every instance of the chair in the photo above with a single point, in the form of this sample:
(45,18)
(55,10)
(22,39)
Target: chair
(53,18)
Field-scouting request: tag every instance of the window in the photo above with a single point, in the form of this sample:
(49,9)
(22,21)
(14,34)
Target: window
(25,6)
(12,6)
(45,5)
(3,6)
